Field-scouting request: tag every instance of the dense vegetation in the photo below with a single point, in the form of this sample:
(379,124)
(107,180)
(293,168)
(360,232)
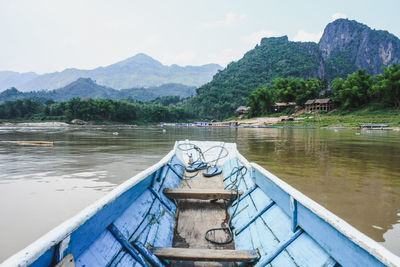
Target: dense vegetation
(345,47)
(297,90)
(273,58)
(357,90)
(92,110)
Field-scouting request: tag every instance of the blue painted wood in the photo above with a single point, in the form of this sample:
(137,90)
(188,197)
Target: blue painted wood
(293,207)
(102,252)
(230,175)
(125,243)
(237,232)
(129,219)
(306,252)
(165,204)
(282,247)
(282,259)
(128,261)
(163,233)
(148,255)
(273,191)
(244,195)
(174,171)
(45,259)
(85,235)
(266,233)
(330,239)
(342,249)
(136,213)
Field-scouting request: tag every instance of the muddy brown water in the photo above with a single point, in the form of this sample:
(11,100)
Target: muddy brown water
(354,174)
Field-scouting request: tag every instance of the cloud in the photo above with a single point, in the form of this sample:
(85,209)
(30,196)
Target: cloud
(229,19)
(303,36)
(255,38)
(338,15)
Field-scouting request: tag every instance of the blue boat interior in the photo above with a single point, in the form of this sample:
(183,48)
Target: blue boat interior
(265,219)
(262,225)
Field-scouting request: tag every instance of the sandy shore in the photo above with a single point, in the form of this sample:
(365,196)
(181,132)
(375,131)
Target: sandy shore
(263,121)
(36,124)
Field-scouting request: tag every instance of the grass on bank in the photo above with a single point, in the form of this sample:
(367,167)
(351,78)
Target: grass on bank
(345,118)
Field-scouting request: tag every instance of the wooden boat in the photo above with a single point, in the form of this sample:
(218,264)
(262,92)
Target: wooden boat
(162,217)
(374,126)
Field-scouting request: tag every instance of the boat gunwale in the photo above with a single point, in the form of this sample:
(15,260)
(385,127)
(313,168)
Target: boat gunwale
(61,232)
(359,238)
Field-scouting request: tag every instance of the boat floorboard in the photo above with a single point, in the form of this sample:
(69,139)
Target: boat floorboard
(195,217)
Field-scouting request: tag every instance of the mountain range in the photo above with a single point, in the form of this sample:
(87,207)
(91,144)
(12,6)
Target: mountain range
(138,71)
(87,88)
(345,46)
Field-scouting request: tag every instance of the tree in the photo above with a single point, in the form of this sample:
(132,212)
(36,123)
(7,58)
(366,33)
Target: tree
(261,101)
(355,91)
(387,87)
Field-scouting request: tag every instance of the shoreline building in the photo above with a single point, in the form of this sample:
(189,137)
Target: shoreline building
(316,105)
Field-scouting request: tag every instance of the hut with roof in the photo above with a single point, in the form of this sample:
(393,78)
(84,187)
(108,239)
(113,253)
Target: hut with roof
(242,110)
(279,107)
(316,105)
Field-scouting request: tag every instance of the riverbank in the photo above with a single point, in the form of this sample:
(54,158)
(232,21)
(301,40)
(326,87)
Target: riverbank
(337,119)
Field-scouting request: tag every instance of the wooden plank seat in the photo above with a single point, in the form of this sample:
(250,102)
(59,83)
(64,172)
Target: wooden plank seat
(204,194)
(195,254)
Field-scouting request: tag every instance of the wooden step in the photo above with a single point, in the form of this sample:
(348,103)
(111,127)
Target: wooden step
(195,254)
(204,194)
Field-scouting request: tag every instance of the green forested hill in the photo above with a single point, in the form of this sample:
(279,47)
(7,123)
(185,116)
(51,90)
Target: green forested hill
(345,47)
(274,57)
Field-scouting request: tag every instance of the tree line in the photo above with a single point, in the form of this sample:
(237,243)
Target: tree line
(357,90)
(94,110)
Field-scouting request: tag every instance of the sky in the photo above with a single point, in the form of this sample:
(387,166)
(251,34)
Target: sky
(51,35)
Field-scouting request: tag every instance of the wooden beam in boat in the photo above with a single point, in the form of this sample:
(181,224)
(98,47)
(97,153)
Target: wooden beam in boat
(204,194)
(195,254)
(67,261)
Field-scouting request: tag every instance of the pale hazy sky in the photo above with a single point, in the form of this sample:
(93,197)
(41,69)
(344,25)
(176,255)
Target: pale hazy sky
(51,35)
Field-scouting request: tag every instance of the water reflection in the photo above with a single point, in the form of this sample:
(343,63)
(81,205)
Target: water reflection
(355,176)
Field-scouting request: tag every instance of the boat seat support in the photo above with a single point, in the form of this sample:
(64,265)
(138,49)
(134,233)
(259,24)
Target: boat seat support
(165,204)
(193,254)
(245,195)
(174,171)
(282,247)
(125,244)
(204,194)
(255,218)
(293,208)
(148,255)
(230,175)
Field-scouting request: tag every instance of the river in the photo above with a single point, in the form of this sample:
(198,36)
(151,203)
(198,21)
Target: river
(354,174)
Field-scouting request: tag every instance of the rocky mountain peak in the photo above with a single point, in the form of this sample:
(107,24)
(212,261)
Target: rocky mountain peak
(348,45)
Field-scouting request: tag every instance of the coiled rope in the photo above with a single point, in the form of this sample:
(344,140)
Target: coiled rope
(235,178)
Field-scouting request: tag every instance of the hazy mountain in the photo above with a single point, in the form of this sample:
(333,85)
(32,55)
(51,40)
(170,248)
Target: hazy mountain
(135,72)
(10,79)
(87,88)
